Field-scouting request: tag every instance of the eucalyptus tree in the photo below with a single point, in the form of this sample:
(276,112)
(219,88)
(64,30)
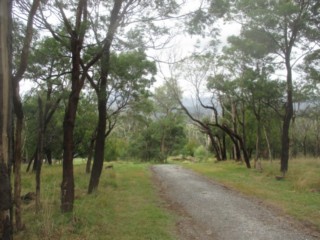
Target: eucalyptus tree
(288,27)
(250,68)
(206,109)
(6,139)
(169,117)
(48,72)
(115,89)
(130,75)
(158,128)
(132,123)
(52,139)
(27,10)
(225,92)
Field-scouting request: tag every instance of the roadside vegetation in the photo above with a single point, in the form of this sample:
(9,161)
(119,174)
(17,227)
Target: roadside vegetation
(126,206)
(297,195)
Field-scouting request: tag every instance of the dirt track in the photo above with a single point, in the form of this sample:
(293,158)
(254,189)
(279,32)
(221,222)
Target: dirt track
(208,210)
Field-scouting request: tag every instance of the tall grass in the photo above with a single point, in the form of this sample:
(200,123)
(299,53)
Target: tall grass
(297,195)
(125,206)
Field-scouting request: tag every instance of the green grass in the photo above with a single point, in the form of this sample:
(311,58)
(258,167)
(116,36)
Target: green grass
(297,195)
(126,206)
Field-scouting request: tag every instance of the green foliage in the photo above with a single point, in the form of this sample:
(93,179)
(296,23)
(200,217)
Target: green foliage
(201,153)
(54,131)
(86,123)
(311,66)
(202,20)
(157,141)
(132,65)
(146,145)
(84,127)
(115,148)
(157,127)
(252,43)
(190,148)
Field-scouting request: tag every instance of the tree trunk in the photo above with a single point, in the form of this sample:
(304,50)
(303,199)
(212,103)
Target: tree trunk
(5,121)
(317,144)
(48,153)
(244,133)
(215,146)
(39,155)
(17,153)
(268,144)
(304,146)
(238,142)
(17,170)
(163,149)
(67,185)
(31,160)
(258,141)
(236,149)
(100,142)
(91,150)
(102,100)
(237,152)
(223,144)
(89,160)
(19,111)
(5,201)
(245,153)
(224,147)
(285,145)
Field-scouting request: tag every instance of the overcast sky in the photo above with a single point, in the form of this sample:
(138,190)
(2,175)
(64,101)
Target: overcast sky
(180,46)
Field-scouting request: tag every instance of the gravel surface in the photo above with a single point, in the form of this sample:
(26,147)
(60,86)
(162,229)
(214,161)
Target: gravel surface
(208,210)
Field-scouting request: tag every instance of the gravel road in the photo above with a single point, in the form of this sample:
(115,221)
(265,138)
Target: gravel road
(210,211)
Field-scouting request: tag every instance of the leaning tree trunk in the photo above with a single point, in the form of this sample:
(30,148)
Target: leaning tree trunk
(215,146)
(238,141)
(5,122)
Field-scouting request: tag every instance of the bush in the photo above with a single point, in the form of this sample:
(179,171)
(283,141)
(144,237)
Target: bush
(190,148)
(201,153)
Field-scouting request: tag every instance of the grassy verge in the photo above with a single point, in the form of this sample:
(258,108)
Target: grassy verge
(126,206)
(298,195)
